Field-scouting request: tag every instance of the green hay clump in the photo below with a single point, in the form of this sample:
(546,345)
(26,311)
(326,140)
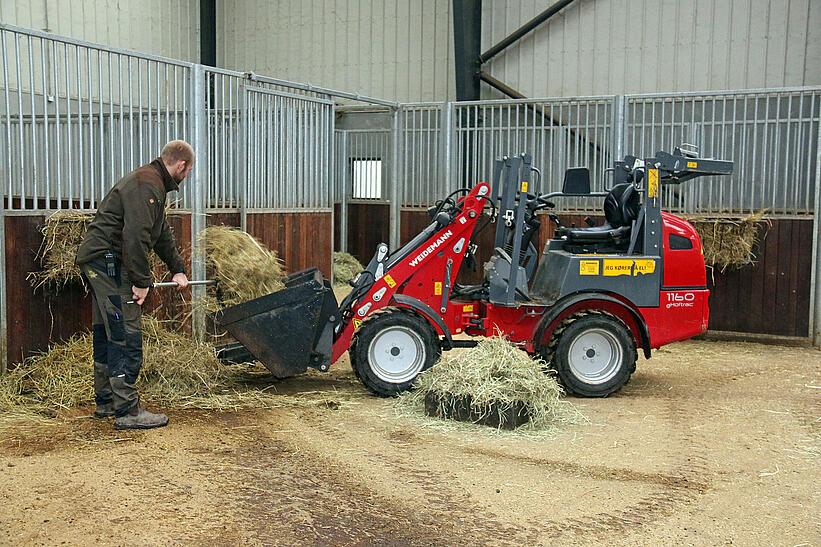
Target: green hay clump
(346,268)
(495,375)
(242,266)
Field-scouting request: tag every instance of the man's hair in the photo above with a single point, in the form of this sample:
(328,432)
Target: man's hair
(176,151)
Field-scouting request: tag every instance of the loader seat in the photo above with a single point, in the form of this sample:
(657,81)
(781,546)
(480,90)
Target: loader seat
(621,208)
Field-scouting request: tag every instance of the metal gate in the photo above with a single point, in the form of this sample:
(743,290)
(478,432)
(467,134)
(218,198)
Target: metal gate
(288,151)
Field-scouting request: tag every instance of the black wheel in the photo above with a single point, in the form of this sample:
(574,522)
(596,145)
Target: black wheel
(391,348)
(593,354)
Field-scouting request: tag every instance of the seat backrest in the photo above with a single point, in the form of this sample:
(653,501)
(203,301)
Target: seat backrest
(621,206)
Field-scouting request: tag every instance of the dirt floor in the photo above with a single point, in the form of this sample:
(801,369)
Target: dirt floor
(711,443)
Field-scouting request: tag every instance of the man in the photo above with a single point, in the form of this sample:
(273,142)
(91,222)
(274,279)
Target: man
(113,257)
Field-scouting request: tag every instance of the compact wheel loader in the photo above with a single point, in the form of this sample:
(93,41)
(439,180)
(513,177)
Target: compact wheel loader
(586,304)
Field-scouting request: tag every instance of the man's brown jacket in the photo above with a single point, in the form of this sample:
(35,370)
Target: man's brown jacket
(131,222)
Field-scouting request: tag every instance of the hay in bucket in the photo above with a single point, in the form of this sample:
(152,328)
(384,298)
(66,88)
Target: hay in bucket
(727,242)
(242,266)
(63,232)
(495,376)
(346,268)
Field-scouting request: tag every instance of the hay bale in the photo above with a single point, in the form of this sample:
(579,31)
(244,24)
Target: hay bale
(63,232)
(495,376)
(346,268)
(728,242)
(244,268)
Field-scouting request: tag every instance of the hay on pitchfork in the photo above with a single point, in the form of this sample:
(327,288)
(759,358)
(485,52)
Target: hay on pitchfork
(346,268)
(496,376)
(244,268)
(728,242)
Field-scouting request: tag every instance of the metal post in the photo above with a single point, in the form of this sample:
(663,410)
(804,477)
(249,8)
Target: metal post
(619,114)
(395,194)
(243,159)
(3,302)
(447,146)
(199,180)
(344,182)
(815,288)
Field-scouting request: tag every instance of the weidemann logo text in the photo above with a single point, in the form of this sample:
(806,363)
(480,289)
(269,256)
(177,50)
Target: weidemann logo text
(432,247)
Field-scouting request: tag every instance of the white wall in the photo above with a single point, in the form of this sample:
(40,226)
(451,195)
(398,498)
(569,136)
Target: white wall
(163,27)
(396,49)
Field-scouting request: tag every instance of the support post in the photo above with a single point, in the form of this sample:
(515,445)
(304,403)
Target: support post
(447,145)
(619,116)
(4,304)
(344,182)
(395,195)
(815,288)
(199,180)
(467,37)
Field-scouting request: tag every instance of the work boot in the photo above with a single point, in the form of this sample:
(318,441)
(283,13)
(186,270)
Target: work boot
(139,418)
(104,411)
(103,396)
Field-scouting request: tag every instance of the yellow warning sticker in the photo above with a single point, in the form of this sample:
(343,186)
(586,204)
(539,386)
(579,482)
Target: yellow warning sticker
(389,280)
(644,266)
(652,183)
(356,324)
(588,267)
(524,186)
(618,266)
(437,288)
(627,266)
(467,309)
(692,165)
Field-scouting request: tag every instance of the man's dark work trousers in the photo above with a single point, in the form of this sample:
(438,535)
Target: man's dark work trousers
(118,345)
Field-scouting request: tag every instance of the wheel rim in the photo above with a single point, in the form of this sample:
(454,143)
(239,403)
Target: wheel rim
(397,355)
(595,356)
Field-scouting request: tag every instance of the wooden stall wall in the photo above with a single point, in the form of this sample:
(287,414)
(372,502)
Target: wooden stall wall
(39,318)
(368,226)
(773,295)
(770,297)
(302,240)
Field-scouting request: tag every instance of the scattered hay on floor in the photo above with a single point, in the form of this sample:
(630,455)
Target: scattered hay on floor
(729,243)
(346,267)
(495,375)
(177,372)
(62,232)
(243,267)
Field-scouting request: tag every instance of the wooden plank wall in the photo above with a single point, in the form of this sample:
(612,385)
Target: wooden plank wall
(368,226)
(38,319)
(773,295)
(770,297)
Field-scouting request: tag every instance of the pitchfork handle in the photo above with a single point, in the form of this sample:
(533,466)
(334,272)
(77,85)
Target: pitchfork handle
(174,283)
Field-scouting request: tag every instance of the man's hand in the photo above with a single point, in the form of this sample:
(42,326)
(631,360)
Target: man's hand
(139,294)
(181,280)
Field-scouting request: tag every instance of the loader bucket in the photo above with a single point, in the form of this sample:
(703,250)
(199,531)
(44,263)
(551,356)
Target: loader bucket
(289,330)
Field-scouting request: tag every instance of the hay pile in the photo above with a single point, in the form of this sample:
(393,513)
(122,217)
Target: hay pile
(176,372)
(62,234)
(244,268)
(729,243)
(495,372)
(346,267)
